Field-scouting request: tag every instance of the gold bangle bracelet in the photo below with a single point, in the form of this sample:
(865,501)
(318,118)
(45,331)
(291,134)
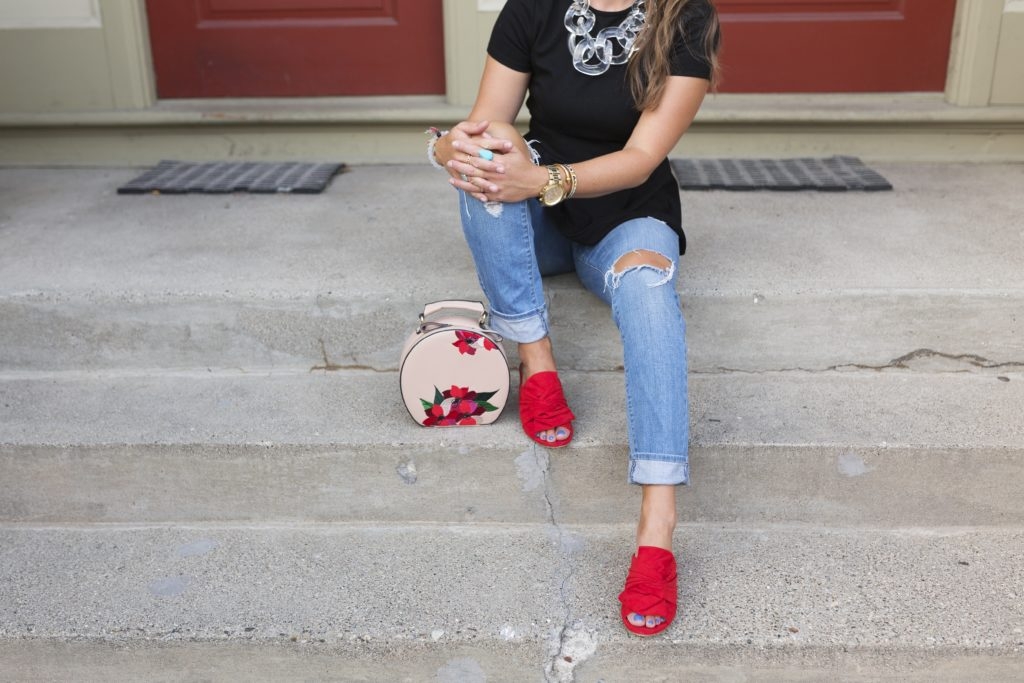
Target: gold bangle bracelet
(563,179)
(573,181)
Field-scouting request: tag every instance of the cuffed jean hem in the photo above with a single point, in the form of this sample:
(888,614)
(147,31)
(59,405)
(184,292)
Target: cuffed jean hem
(660,472)
(523,329)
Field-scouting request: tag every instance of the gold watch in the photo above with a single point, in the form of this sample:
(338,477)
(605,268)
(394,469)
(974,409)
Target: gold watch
(553,192)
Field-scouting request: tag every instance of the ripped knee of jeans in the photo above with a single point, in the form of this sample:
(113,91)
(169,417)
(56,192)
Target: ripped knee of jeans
(493,209)
(636,260)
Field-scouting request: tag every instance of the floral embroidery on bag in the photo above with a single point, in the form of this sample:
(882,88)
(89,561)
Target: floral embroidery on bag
(469,342)
(456,406)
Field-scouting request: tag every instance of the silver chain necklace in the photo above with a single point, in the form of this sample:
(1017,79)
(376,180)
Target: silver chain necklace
(611,47)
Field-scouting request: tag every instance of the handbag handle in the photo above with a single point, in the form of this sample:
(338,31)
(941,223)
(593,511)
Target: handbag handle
(432,308)
(474,306)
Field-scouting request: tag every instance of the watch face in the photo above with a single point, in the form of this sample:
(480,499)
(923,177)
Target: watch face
(553,194)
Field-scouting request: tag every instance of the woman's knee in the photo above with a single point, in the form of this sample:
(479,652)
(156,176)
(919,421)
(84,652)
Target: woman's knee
(654,269)
(507,131)
(639,258)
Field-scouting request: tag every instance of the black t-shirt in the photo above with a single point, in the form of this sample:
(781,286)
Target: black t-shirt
(575,117)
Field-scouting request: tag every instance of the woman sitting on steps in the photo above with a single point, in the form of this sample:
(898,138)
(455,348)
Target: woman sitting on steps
(612,85)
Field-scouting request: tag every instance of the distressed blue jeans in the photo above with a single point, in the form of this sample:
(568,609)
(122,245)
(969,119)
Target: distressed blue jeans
(515,244)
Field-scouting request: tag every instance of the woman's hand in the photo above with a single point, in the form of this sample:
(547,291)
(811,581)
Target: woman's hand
(466,139)
(510,177)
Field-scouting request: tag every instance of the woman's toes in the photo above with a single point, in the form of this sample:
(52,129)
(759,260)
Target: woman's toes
(636,619)
(652,622)
(553,435)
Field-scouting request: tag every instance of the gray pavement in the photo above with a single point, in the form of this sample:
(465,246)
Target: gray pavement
(206,473)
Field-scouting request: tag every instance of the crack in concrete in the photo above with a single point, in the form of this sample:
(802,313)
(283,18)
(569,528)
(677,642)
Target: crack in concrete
(973,359)
(328,366)
(561,666)
(903,362)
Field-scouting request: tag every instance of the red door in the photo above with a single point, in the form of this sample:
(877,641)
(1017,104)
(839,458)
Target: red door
(296,48)
(835,45)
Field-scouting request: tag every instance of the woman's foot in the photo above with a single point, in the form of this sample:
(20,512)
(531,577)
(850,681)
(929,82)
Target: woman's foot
(538,357)
(657,524)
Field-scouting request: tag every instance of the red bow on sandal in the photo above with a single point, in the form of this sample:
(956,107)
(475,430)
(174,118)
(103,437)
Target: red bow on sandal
(650,589)
(542,406)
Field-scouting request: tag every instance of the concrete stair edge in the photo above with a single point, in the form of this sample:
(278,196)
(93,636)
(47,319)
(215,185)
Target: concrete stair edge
(863,487)
(98,661)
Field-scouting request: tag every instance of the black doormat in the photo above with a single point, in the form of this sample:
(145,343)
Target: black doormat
(176,177)
(835,174)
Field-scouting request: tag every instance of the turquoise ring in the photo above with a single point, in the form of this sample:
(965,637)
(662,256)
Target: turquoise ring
(486,154)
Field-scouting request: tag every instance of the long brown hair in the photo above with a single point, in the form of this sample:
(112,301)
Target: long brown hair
(649,67)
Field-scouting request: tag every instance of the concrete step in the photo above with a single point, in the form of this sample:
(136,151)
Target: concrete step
(835,447)
(947,228)
(540,598)
(771,280)
(750,332)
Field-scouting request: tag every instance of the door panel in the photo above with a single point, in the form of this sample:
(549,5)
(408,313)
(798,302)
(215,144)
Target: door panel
(835,45)
(296,48)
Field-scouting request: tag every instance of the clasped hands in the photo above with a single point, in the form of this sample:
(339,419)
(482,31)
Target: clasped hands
(511,176)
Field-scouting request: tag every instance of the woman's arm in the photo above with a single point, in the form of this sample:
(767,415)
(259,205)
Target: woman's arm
(501,94)
(657,132)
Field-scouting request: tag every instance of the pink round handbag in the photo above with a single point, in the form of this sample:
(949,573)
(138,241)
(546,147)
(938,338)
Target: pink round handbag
(453,371)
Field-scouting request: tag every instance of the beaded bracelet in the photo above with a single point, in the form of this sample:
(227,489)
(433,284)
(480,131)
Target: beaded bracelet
(435,135)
